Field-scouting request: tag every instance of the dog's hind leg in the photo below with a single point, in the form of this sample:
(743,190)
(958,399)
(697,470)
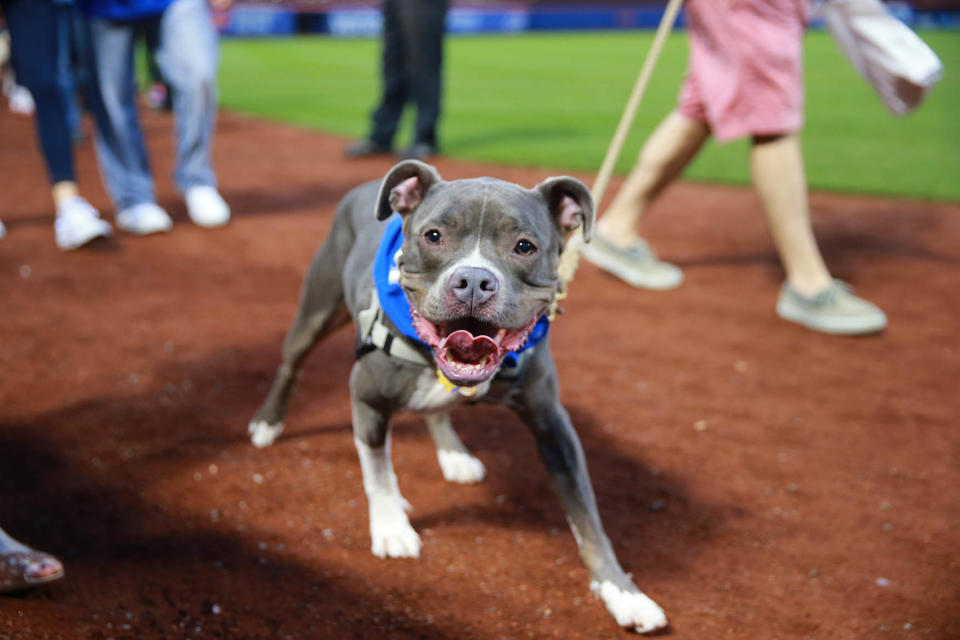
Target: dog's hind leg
(456,461)
(322,310)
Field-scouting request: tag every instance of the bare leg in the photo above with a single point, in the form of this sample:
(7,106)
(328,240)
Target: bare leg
(64,190)
(666,153)
(776,165)
(810,297)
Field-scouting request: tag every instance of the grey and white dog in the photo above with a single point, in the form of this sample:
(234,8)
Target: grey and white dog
(478,266)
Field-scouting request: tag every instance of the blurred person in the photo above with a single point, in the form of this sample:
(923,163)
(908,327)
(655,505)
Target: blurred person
(411,71)
(158,95)
(744,78)
(188,55)
(35,53)
(22,567)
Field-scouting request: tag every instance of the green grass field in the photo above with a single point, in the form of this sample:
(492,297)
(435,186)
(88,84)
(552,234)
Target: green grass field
(554,100)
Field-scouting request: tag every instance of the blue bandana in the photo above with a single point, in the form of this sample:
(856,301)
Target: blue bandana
(394,301)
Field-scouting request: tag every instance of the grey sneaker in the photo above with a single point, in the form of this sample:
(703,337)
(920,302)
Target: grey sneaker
(834,310)
(637,266)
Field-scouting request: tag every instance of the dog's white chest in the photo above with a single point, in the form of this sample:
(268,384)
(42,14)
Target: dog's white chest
(431,395)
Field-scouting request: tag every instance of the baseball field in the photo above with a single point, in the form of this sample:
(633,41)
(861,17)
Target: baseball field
(758,480)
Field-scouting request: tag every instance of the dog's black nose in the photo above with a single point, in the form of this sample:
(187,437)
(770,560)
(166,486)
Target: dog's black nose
(473,285)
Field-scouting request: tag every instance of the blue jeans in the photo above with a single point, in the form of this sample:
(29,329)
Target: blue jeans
(188,57)
(35,50)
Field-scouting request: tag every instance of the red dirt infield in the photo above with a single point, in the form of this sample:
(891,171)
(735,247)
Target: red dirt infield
(759,480)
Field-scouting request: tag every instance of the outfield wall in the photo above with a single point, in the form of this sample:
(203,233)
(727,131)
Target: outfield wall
(363,19)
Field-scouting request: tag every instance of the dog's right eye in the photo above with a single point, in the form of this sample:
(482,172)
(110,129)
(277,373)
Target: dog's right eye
(433,236)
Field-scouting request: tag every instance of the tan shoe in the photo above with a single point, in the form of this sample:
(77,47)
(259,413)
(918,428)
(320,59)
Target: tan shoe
(835,310)
(637,265)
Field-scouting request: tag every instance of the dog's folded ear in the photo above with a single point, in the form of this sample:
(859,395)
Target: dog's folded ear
(404,187)
(570,203)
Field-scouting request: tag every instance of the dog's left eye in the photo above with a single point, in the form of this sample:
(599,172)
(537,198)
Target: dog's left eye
(525,247)
(433,236)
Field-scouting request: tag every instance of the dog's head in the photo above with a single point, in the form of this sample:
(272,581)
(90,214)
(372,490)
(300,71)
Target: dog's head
(479,260)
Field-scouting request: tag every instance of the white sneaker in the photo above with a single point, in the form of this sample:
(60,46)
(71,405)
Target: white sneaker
(206,207)
(21,101)
(77,224)
(143,219)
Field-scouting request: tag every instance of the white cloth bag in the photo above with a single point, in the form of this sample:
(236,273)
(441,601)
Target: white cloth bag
(899,65)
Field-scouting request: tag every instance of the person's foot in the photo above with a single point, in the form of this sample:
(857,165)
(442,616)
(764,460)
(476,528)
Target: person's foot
(420,151)
(367,147)
(637,265)
(23,569)
(835,310)
(21,101)
(77,224)
(144,218)
(206,207)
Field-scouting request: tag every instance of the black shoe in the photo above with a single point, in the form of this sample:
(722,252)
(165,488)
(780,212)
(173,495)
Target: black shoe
(367,147)
(420,150)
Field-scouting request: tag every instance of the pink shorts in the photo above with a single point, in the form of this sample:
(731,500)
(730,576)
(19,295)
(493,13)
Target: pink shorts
(745,75)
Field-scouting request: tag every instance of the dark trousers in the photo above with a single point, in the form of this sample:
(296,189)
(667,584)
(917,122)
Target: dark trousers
(34,48)
(412,66)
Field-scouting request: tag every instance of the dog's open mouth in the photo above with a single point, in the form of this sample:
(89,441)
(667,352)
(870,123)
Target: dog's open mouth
(468,350)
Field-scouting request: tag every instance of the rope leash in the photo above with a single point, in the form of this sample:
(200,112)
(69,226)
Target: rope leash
(570,258)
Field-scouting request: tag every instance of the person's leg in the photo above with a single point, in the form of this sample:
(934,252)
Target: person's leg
(120,148)
(35,44)
(776,166)
(188,56)
(65,75)
(810,296)
(22,567)
(425,67)
(386,117)
(664,155)
(617,246)
(34,28)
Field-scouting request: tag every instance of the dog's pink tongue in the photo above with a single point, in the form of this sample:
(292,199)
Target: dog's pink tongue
(467,348)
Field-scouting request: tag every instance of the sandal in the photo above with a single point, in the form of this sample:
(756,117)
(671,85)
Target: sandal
(20,570)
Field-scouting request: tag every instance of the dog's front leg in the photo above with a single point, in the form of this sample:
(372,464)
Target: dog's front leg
(390,530)
(456,461)
(559,447)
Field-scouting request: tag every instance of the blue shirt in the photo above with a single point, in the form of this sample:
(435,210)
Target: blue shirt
(123,9)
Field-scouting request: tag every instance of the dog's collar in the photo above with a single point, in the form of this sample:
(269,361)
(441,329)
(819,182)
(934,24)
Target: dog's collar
(389,299)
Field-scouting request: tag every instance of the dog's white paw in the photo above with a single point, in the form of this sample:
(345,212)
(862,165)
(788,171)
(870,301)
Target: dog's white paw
(459,466)
(632,609)
(390,532)
(263,434)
